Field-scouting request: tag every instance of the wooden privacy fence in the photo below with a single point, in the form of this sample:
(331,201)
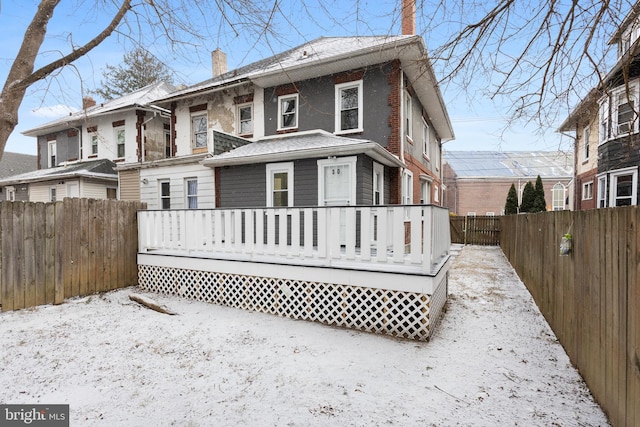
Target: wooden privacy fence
(475,230)
(53,251)
(591,298)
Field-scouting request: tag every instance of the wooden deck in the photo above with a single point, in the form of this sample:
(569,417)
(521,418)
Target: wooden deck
(332,261)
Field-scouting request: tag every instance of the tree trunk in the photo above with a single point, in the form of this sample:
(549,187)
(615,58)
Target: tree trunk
(21,75)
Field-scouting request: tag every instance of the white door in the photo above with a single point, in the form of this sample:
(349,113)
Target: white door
(337,186)
(73,189)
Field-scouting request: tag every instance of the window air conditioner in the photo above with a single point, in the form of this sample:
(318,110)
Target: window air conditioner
(625,127)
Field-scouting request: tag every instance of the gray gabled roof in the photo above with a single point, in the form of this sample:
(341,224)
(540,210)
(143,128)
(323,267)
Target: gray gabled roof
(302,145)
(523,164)
(141,98)
(17,163)
(329,55)
(99,169)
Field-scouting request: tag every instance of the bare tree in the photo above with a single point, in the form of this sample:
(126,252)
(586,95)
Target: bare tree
(170,22)
(541,55)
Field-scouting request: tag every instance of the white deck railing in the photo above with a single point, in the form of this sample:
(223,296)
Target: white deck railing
(407,238)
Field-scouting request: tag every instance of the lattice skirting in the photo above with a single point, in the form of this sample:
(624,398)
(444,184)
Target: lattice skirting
(402,314)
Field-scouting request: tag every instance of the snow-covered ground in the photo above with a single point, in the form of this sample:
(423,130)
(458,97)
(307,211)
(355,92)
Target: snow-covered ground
(492,361)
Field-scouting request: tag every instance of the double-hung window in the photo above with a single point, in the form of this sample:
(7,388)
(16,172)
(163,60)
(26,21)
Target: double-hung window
(191,193)
(625,114)
(378,184)
(52,154)
(199,130)
(587,190)
(94,144)
(585,143)
(288,112)
(165,194)
(245,119)
(623,187)
(408,116)
(602,191)
(425,139)
(407,187)
(280,184)
(120,139)
(603,129)
(349,107)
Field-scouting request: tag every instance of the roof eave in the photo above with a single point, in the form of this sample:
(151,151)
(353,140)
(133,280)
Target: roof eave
(372,149)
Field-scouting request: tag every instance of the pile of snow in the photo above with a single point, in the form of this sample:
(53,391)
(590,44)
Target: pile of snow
(492,361)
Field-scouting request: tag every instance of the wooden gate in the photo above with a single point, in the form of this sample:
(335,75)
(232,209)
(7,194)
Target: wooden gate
(475,230)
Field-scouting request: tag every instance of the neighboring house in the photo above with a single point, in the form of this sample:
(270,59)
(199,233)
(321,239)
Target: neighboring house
(15,164)
(477,182)
(606,128)
(96,179)
(127,129)
(335,121)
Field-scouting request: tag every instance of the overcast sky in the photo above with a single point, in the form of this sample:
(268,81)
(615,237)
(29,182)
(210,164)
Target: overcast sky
(478,123)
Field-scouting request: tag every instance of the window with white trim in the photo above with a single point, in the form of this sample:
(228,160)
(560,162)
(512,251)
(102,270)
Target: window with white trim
(407,187)
(52,163)
(167,143)
(587,190)
(191,193)
(425,139)
(558,197)
(120,140)
(425,192)
(288,112)
(165,194)
(490,214)
(280,184)
(585,143)
(52,194)
(436,194)
(623,187)
(625,115)
(11,194)
(349,108)
(94,143)
(408,115)
(471,214)
(245,119)
(618,112)
(603,114)
(199,131)
(602,191)
(378,184)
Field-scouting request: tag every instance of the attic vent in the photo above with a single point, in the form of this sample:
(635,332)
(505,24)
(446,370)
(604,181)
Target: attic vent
(304,55)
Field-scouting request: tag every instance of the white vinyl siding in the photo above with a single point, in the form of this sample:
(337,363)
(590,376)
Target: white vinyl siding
(149,192)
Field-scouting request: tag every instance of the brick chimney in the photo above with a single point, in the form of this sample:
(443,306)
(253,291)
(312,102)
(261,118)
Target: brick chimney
(88,102)
(218,62)
(408,17)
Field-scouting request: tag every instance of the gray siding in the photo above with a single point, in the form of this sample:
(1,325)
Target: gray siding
(67,148)
(617,154)
(317,105)
(245,186)
(305,180)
